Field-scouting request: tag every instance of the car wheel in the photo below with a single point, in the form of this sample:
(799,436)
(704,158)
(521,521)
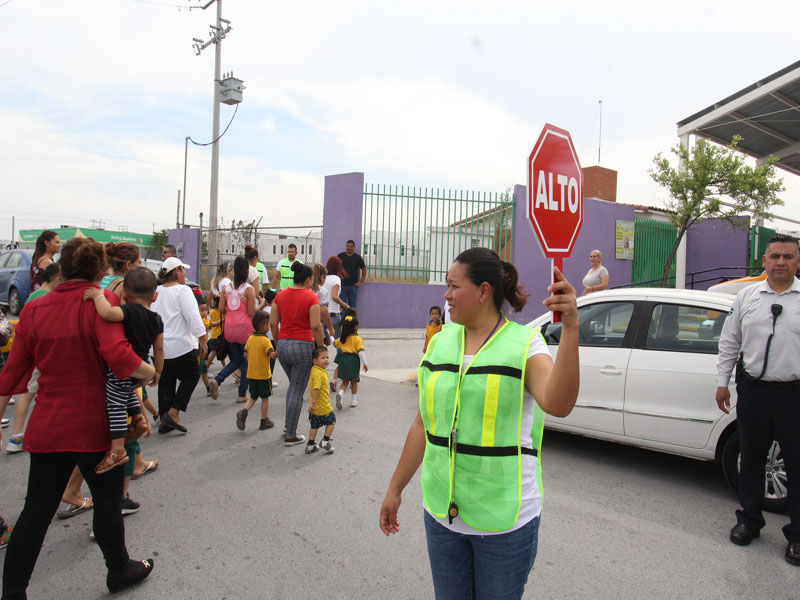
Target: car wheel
(14,301)
(775,490)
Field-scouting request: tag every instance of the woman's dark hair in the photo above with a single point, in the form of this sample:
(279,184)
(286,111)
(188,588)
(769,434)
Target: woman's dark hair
(82,258)
(301,272)
(240,271)
(43,238)
(335,267)
(167,276)
(250,253)
(120,253)
(349,324)
(270,295)
(483,264)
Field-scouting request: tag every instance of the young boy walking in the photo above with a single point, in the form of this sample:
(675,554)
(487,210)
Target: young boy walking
(320,412)
(257,352)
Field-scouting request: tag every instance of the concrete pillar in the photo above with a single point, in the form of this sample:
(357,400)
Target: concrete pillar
(342,213)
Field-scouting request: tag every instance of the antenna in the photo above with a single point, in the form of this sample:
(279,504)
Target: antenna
(600,136)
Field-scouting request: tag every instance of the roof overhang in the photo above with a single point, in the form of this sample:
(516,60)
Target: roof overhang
(765,114)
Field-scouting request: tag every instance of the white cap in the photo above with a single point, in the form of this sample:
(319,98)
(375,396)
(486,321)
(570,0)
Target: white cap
(173,262)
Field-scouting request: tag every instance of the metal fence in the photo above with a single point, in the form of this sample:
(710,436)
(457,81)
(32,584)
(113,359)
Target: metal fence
(272,244)
(412,235)
(653,242)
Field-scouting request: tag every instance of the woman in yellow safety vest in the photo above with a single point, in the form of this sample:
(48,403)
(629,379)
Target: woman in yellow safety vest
(485,383)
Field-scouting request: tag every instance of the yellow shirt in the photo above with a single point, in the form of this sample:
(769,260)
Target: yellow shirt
(431,330)
(258,348)
(207,324)
(352,345)
(215,316)
(318,380)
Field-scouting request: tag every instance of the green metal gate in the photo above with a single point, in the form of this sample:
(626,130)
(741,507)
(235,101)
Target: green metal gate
(653,241)
(758,250)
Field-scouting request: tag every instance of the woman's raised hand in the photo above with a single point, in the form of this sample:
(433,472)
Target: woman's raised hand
(562,299)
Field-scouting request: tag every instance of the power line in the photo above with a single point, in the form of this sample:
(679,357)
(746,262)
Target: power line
(219,137)
(6,2)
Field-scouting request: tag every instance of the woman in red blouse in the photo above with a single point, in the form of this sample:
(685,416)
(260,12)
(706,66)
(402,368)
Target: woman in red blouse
(70,344)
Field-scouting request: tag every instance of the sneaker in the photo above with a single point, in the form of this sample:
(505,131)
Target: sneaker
(339,400)
(4,423)
(4,539)
(12,402)
(129,506)
(327,446)
(353,403)
(294,440)
(311,448)
(241,418)
(213,389)
(266,424)
(14,445)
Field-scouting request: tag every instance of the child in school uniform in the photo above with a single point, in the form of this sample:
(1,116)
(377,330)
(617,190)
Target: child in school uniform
(434,326)
(351,360)
(215,332)
(258,351)
(320,413)
(203,308)
(144,329)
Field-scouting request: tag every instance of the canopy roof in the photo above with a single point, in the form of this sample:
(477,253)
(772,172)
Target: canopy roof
(765,114)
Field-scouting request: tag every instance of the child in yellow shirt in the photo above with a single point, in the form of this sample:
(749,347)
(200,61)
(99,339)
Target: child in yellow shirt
(203,308)
(351,360)
(434,326)
(257,352)
(320,413)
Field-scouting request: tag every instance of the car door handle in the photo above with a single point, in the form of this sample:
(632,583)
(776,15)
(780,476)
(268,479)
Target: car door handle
(610,371)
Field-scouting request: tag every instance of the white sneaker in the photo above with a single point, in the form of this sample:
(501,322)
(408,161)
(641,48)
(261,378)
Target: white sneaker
(14,445)
(4,423)
(327,446)
(353,403)
(12,402)
(339,395)
(311,448)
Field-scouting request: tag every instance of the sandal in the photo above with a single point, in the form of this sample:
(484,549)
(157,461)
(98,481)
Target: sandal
(111,461)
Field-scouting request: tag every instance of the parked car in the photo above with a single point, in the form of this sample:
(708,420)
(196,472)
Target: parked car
(15,278)
(648,367)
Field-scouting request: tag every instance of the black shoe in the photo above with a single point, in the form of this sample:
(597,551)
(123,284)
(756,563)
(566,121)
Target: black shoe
(134,572)
(129,506)
(241,419)
(167,420)
(792,554)
(164,428)
(742,535)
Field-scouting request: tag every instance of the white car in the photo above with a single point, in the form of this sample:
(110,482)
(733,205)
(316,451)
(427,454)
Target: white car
(648,359)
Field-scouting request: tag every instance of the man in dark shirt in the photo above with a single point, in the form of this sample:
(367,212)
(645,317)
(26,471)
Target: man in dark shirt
(356,273)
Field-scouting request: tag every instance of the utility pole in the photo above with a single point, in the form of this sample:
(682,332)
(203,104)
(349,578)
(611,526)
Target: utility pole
(185,157)
(178,212)
(599,137)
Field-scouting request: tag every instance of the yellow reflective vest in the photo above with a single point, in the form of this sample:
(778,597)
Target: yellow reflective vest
(472,466)
(287,277)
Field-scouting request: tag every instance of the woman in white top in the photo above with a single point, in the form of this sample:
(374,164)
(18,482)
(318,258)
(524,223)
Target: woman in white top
(238,303)
(183,327)
(333,285)
(596,278)
(320,275)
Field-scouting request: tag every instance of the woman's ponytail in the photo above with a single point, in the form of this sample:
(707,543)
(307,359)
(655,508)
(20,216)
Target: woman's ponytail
(515,295)
(483,265)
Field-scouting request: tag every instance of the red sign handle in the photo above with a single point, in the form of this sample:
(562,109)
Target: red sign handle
(557,263)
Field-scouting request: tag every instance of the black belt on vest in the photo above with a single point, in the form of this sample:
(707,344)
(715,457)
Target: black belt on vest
(438,440)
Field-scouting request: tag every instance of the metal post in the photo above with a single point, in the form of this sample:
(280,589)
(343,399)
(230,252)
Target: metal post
(212,217)
(599,137)
(178,212)
(680,255)
(185,157)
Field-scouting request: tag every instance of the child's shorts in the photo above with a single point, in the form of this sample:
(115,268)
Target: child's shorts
(212,345)
(260,388)
(318,421)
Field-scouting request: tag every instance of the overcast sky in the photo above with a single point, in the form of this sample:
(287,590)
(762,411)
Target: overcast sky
(99,96)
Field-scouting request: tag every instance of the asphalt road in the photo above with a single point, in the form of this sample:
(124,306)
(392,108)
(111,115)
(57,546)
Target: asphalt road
(233,514)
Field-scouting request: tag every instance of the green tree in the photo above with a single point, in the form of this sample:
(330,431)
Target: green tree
(714,182)
(160,239)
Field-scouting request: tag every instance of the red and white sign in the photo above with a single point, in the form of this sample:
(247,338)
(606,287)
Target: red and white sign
(555,194)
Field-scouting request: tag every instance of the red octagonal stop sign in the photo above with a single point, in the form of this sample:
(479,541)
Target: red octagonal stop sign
(555,192)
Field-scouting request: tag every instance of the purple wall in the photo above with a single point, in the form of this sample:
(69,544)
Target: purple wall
(190,238)
(598,232)
(342,214)
(716,243)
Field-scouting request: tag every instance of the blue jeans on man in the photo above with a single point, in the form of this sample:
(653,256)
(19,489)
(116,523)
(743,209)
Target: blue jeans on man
(349,294)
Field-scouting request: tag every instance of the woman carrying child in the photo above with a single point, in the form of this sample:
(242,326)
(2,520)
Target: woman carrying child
(183,328)
(237,302)
(350,361)
(69,423)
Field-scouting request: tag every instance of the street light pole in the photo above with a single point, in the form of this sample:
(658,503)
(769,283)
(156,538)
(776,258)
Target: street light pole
(212,216)
(185,157)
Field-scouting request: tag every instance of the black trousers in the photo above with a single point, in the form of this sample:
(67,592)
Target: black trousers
(183,369)
(765,413)
(47,479)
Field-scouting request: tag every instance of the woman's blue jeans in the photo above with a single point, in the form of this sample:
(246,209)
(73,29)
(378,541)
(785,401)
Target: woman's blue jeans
(479,567)
(236,360)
